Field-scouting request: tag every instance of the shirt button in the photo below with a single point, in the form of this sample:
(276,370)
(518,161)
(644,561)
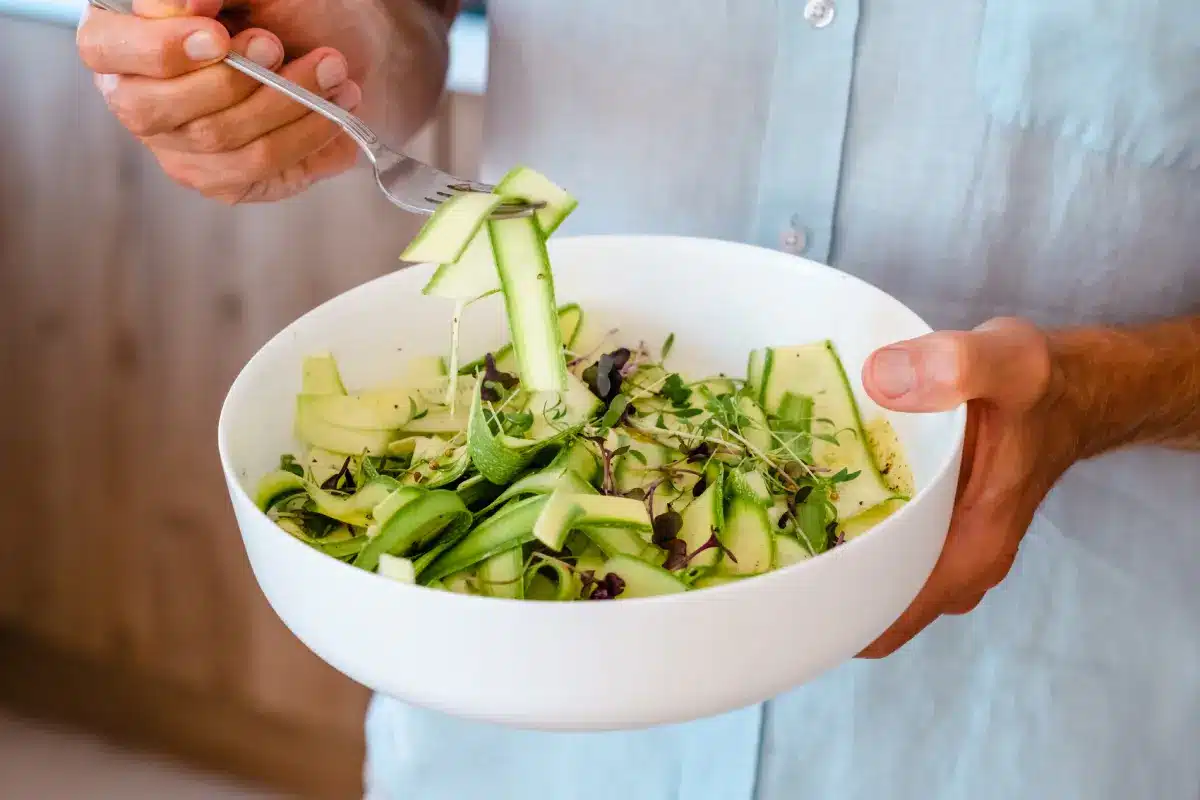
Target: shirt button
(794,239)
(819,13)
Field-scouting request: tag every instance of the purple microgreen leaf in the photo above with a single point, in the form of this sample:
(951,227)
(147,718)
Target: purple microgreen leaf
(604,377)
(666,527)
(492,374)
(677,557)
(605,373)
(831,534)
(636,493)
(335,481)
(700,486)
(608,587)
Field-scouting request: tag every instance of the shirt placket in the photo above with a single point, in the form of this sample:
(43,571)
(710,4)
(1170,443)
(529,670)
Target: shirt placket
(801,160)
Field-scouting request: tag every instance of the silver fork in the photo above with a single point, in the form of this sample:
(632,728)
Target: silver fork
(411,184)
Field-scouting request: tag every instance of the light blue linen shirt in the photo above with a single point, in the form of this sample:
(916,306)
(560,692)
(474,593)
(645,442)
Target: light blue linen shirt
(972,157)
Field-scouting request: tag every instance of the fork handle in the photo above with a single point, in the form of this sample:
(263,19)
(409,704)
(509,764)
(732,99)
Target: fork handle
(352,125)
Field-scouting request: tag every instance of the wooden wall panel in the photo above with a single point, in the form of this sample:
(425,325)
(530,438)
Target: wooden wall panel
(127,306)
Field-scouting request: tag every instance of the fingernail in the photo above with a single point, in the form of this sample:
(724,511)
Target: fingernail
(262,51)
(893,372)
(201,46)
(331,71)
(106,83)
(348,96)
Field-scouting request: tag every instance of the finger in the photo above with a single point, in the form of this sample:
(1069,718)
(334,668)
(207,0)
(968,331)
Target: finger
(1005,361)
(286,147)
(113,44)
(323,71)
(165,9)
(151,106)
(965,605)
(226,174)
(919,615)
(980,549)
(332,159)
(917,619)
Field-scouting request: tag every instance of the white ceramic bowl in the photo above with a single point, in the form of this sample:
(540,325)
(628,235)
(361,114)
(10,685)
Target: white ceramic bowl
(595,666)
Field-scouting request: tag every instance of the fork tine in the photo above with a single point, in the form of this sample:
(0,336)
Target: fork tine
(422,189)
(502,211)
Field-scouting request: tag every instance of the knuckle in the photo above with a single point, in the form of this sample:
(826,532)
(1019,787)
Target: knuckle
(259,159)
(959,350)
(229,86)
(208,136)
(159,60)
(140,116)
(1030,352)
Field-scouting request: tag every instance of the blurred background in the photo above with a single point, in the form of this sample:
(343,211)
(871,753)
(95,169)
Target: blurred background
(137,657)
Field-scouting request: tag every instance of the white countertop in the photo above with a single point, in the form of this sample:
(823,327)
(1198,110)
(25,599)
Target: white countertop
(468,38)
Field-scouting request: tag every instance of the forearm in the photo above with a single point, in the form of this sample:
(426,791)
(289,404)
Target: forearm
(1129,386)
(405,90)
(399,52)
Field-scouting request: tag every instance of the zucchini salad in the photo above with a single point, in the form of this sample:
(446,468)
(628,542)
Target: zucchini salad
(570,464)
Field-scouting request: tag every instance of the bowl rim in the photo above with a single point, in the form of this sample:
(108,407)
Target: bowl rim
(726,590)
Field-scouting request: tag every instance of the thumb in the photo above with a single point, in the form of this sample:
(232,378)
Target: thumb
(1004,361)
